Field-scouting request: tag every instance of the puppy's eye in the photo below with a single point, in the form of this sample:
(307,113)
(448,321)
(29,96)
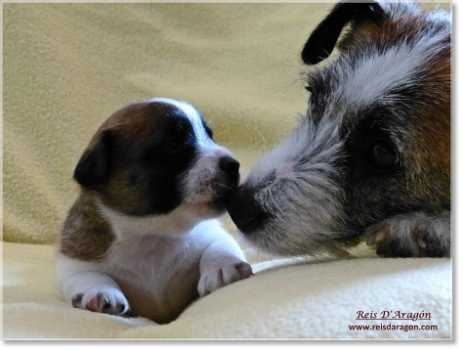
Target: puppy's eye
(382,157)
(309,89)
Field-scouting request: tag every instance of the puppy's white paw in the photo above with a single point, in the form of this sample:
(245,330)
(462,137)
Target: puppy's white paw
(109,301)
(214,279)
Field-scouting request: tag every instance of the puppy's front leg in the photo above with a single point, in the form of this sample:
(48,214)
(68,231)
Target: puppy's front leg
(221,264)
(412,235)
(90,290)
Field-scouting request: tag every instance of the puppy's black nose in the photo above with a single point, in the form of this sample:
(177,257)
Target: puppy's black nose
(229,166)
(247,214)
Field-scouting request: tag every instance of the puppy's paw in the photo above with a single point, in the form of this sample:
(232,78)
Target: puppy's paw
(216,278)
(109,301)
(414,235)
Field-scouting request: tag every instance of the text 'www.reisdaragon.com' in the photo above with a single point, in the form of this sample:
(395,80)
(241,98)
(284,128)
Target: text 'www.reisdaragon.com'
(391,315)
(389,326)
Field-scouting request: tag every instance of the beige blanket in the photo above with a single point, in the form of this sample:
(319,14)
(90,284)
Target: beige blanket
(283,300)
(67,67)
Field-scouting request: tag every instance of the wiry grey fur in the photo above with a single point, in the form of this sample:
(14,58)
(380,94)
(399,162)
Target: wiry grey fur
(313,187)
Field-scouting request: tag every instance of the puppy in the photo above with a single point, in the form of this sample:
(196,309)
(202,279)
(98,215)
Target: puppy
(141,236)
(371,157)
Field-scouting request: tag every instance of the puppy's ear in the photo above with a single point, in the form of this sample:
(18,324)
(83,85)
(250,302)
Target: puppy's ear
(323,39)
(93,167)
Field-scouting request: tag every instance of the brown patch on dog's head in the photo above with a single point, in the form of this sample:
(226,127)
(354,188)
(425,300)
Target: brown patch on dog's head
(411,109)
(135,160)
(393,25)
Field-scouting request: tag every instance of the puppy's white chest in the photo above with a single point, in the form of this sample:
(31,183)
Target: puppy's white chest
(156,274)
(151,260)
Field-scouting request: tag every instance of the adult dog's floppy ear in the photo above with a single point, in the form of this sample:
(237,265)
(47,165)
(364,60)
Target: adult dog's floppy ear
(323,39)
(93,167)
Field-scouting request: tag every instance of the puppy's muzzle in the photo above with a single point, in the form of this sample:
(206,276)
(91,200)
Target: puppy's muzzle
(225,182)
(247,214)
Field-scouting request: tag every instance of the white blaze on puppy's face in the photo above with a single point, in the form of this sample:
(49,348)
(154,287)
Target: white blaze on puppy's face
(205,181)
(197,122)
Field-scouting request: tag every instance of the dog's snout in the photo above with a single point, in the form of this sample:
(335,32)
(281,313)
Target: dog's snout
(245,212)
(229,166)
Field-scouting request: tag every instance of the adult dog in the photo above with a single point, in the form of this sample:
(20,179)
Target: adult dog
(370,160)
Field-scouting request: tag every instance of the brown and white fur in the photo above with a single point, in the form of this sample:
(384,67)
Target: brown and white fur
(370,159)
(141,236)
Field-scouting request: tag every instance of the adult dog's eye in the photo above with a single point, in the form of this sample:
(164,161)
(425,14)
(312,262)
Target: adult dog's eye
(382,157)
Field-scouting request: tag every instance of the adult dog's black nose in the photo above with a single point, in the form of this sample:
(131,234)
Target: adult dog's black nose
(247,214)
